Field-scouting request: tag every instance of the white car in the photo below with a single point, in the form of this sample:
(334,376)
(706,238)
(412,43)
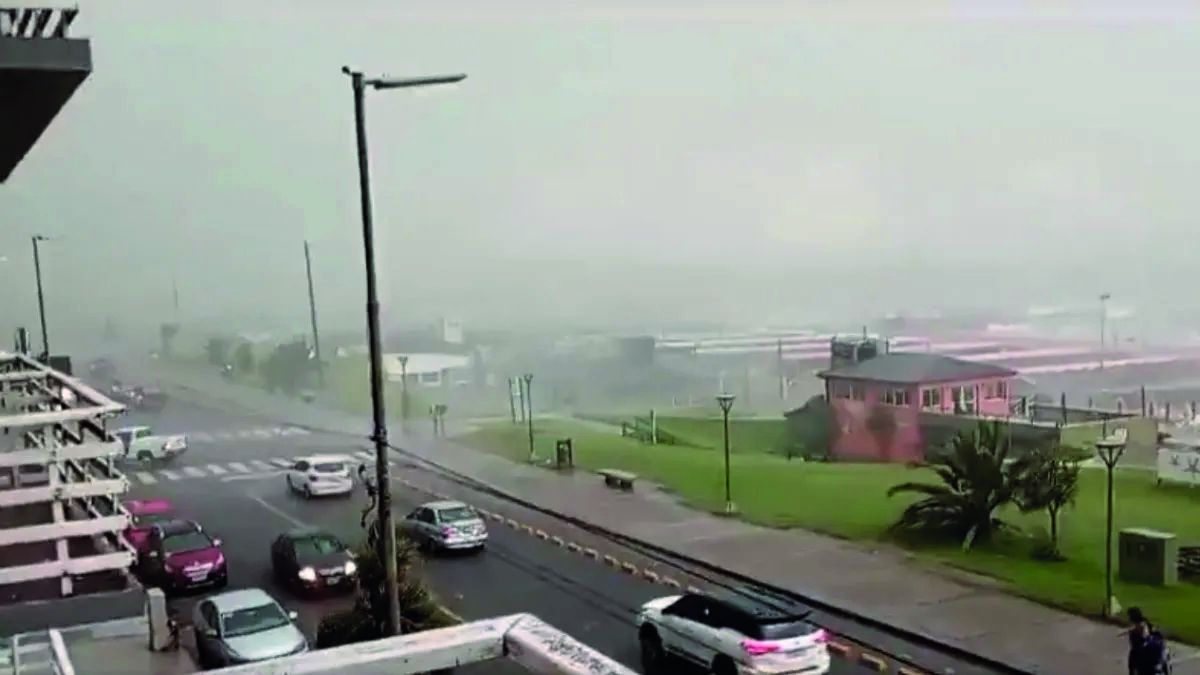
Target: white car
(444,526)
(141,444)
(735,633)
(321,475)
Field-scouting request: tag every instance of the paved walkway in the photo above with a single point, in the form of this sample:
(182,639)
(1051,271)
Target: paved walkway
(878,582)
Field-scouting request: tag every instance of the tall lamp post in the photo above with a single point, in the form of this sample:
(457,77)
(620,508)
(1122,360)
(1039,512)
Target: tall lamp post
(387,533)
(403,388)
(37,270)
(726,403)
(1103,320)
(528,379)
(1110,450)
(312,313)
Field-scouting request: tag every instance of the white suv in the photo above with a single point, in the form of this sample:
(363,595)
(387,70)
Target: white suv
(738,633)
(321,475)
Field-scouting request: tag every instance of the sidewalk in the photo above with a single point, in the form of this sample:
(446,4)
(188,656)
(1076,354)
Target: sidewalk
(878,582)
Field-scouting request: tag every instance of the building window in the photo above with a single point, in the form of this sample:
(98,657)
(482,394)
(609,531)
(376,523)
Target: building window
(858,392)
(995,390)
(1002,389)
(931,398)
(431,378)
(895,396)
(964,400)
(847,390)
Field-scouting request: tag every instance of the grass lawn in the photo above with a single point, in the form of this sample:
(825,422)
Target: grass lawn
(745,435)
(771,490)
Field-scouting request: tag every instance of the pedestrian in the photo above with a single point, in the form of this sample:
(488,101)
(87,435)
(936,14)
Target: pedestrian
(1148,653)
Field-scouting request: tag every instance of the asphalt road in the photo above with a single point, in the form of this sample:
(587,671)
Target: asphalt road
(248,508)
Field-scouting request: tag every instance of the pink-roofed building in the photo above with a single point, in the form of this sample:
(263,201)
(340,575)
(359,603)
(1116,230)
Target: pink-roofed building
(876,401)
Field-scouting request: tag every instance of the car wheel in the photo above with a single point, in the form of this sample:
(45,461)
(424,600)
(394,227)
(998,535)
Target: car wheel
(723,665)
(652,651)
(307,491)
(145,457)
(289,483)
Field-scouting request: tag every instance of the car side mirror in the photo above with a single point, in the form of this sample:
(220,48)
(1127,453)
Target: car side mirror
(210,632)
(293,615)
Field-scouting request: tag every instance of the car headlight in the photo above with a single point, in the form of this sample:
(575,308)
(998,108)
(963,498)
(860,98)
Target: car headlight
(351,568)
(307,574)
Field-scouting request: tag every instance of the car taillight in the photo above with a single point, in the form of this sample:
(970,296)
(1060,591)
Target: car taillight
(759,647)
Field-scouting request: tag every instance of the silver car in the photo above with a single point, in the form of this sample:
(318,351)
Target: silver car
(243,627)
(446,526)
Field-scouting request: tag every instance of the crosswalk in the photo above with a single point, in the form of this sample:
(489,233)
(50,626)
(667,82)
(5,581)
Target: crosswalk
(229,470)
(254,434)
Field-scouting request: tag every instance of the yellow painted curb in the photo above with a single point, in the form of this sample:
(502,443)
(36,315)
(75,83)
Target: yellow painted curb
(651,576)
(838,648)
(668,581)
(512,523)
(611,561)
(496,517)
(527,529)
(905,670)
(541,534)
(558,541)
(695,591)
(573,547)
(592,553)
(629,568)
(874,662)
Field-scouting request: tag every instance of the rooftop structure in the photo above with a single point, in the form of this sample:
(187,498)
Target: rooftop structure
(60,514)
(41,66)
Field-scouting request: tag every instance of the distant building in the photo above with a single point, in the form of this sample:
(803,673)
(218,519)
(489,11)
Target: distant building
(428,369)
(877,400)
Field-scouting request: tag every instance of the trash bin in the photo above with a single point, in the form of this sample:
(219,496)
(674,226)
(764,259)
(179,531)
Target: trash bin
(564,454)
(1148,557)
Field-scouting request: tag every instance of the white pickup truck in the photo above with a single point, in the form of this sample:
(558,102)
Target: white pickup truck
(141,444)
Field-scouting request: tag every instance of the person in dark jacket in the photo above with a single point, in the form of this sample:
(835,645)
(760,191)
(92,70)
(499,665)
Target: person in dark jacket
(1147,647)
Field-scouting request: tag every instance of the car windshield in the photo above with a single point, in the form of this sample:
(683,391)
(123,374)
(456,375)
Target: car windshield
(148,519)
(186,541)
(329,467)
(319,545)
(253,620)
(455,514)
(784,630)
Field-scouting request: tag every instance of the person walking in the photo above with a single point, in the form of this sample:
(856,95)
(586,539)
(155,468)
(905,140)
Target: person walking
(1148,653)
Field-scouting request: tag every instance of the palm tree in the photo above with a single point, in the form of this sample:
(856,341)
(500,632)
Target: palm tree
(976,481)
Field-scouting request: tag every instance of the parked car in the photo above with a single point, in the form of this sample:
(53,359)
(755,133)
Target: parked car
(142,444)
(734,633)
(179,555)
(320,475)
(446,525)
(312,560)
(244,626)
(144,515)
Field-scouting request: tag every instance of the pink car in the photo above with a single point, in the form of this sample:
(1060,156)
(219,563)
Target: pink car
(146,514)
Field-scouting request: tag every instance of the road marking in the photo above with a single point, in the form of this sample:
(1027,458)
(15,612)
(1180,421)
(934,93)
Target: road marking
(169,475)
(147,478)
(224,436)
(261,465)
(261,433)
(194,472)
(280,512)
(216,470)
(201,437)
(281,462)
(294,431)
(246,433)
(239,467)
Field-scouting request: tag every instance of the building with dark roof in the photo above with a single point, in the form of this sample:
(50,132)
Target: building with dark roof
(876,400)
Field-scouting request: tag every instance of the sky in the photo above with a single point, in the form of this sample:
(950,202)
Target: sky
(616,162)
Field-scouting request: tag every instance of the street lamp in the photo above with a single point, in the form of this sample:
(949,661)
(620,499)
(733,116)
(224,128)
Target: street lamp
(1103,319)
(1110,450)
(403,388)
(387,539)
(726,403)
(37,270)
(528,378)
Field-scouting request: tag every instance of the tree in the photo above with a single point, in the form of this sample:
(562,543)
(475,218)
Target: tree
(366,620)
(218,351)
(243,358)
(1049,481)
(287,367)
(976,481)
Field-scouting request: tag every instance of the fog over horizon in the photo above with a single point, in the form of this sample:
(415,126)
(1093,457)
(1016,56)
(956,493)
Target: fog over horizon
(613,164)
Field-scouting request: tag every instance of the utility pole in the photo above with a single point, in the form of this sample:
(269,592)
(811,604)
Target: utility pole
(726,403)
(403,389)
(1110,451)
(312,311)
(782,374)
(521,394)
(529,402)
(1103,319)
(37,270)
(175,295)
(512,400)
(387,532)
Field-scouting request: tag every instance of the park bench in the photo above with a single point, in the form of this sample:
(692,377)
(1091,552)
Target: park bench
(618,479)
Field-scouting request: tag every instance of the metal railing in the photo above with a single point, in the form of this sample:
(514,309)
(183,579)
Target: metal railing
(40,652)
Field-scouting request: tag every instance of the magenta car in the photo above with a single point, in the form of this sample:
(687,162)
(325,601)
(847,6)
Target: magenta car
(180,556)
(145,514)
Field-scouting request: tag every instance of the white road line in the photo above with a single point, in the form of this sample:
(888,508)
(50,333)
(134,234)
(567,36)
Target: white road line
(261,465)
(280,512)
(239,467)
(194,472)
(146,477)
(294,431)
(224,436)
(281,462)
(245,433)
(170,475)
(202,437)
(216,470)
(261,433)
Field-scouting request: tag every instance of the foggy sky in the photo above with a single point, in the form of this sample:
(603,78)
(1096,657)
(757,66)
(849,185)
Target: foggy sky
(758,162)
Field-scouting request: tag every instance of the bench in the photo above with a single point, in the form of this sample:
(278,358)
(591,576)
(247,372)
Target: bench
(618,479)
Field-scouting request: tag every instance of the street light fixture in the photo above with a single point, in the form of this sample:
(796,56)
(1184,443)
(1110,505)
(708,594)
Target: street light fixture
(403,359)
(37,270)
(1110,450)
(528,378)
(387,539)
(726,403)
(1103,319)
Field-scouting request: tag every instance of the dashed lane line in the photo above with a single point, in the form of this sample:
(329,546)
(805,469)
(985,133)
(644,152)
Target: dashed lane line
(169,475)
(217,470)
(146,477)
(239,467)
(261,465)
(281,462)
(194,472)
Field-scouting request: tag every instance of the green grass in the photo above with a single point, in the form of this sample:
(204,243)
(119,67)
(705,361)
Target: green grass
(745,435)
(849,501)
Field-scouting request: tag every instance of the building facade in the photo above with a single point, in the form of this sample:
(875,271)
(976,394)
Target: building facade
(876,403)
